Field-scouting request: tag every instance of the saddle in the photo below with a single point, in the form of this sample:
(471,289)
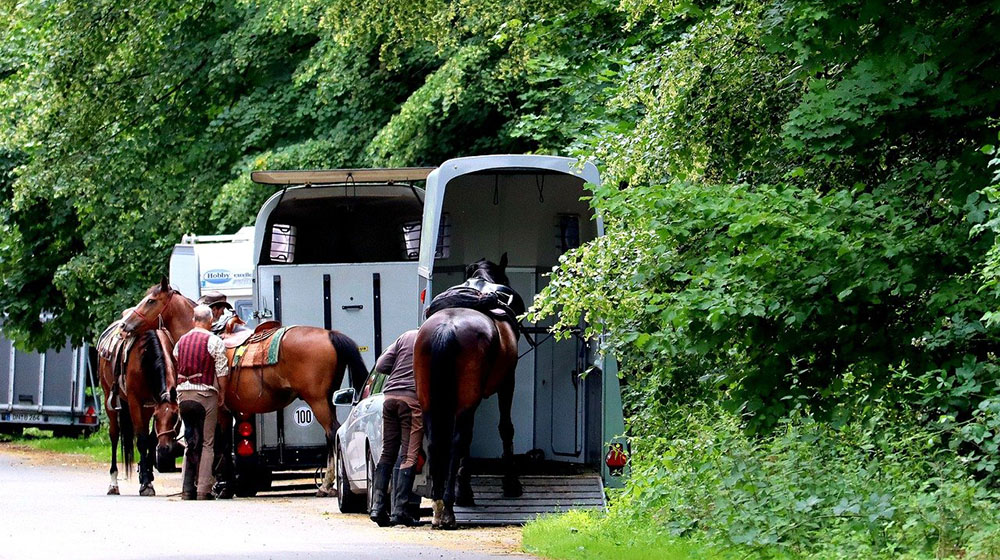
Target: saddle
(114,346)
(494,300)
(258,348)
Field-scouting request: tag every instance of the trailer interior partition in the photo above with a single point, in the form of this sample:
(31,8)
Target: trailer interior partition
(335,249)
(567,402)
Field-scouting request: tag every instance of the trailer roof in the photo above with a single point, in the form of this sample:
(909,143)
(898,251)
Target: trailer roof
(341,176)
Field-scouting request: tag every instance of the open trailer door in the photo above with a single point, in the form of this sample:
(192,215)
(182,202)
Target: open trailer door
(567,401)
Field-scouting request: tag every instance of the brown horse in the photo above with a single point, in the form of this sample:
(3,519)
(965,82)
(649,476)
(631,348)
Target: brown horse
(311,365)
(462,356)
(148,392)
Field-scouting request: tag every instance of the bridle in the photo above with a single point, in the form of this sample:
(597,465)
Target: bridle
(159,314)
(174,430)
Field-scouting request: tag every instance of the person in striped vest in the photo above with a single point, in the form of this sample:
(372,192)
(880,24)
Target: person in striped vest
(202,376)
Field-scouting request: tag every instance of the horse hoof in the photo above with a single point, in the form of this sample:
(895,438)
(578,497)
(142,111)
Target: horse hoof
(113,491)
(512,488)
(147,491)
(326,493)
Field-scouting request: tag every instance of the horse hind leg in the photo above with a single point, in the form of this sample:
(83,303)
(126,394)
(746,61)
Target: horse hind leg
(463,477)
(440,429)
(327,418)
(505,396)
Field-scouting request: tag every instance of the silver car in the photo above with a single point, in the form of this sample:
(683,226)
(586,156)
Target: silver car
(359,444)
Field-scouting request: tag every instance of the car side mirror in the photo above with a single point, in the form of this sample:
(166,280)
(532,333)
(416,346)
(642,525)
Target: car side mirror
(344,397)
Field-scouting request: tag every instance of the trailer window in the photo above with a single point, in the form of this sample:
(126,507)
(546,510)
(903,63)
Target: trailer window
(411,239)
(569,232)
(282,243)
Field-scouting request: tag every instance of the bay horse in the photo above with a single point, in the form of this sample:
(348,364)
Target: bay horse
(462,356)
(311,365)
(148,392)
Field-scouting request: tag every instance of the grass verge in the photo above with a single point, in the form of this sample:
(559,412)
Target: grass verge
(586,535)
(96,446)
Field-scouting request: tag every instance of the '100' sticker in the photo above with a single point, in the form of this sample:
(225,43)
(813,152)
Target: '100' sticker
(303,416)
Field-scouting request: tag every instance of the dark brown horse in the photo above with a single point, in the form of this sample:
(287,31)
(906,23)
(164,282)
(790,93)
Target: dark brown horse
(147,392)
(311,365)
(462,356)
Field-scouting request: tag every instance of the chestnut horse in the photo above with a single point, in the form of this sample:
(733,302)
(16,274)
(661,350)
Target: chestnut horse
(462,356)
(311,366)
(148,392)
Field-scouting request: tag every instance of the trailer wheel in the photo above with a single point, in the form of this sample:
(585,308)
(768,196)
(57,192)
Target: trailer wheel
(251,479)
(11,430)
(347,501)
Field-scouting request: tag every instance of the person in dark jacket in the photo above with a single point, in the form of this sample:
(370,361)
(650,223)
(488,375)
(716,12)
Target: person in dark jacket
(202,377)
(402,434)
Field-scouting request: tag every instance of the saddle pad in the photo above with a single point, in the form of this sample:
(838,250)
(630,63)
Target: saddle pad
(261,349)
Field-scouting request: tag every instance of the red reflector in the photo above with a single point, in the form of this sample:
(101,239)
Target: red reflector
(244,448)
(423,295)
(616,458)
(244,429)
(421,460)
(90,417)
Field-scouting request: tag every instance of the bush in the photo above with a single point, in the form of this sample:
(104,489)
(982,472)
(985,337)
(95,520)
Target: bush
(865,490)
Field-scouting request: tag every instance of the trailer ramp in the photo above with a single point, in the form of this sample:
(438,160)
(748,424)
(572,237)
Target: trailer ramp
(542,494)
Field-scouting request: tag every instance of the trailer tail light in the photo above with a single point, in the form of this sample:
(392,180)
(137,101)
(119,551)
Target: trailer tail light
(244,429)
(423,295)
(89,417)
(244,448)
(616,459)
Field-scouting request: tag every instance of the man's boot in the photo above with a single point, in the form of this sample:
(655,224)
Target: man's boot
(380,502)
(401,492)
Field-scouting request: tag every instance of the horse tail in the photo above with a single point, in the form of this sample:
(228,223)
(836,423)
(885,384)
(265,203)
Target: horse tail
(350,358)
(443,398)
(126,437)
(154,366)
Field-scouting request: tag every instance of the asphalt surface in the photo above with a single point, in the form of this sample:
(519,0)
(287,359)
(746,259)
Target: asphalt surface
(55,506)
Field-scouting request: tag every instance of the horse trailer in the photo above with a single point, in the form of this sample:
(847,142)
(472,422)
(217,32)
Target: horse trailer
(365,251)
(336,250)
(567,409)
(52,390)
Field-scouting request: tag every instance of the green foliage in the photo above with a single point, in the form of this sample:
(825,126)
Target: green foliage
(799,223)
(876,489)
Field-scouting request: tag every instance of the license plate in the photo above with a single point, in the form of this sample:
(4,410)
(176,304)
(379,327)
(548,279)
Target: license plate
(22,417)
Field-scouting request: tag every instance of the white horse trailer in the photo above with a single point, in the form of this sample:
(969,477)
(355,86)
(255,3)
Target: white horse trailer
(222,263)
(567,408)
(338,250)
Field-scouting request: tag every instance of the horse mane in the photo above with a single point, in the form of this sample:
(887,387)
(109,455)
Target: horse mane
(154,365)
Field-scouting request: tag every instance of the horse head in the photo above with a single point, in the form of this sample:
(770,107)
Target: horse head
(489,271)
(144,315)
(167,425)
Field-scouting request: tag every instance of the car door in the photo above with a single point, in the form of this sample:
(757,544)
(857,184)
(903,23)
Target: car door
(364,429)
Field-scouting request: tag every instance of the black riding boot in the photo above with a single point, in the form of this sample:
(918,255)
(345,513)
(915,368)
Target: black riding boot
(402,489)
(380,487)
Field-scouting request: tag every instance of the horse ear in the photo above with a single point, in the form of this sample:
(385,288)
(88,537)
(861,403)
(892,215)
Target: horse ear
(164,284)
(469,269)
(503,261)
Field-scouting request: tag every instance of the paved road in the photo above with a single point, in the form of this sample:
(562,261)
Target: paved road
(55,507)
